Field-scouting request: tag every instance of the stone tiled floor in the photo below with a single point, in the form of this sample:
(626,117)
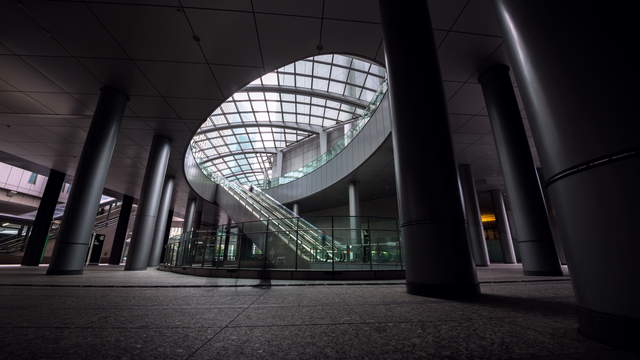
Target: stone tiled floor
(126,317)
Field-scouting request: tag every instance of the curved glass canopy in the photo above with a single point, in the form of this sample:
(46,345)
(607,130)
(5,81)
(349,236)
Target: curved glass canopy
(240,138)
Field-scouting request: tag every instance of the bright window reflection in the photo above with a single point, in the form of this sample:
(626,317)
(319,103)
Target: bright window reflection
(241,137)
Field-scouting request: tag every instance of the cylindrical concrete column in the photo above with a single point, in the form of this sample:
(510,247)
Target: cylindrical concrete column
(147,212)
(322,137)
(276,171)
(197,217)
(74,238)
(41,224)
(475,231)
(189,215)
(535,240)
(556,239)
(431,218)
(167,234)
(504,230)
(576,66)
(121,230)
(296,208)
(354,200)
(161,222)
(355,241)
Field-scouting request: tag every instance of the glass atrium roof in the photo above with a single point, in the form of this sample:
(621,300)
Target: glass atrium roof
(240,138)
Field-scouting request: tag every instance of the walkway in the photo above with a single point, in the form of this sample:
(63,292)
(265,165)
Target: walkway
(109,314)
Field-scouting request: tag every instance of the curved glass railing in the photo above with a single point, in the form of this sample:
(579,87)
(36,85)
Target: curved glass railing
(344,243)
(335,149)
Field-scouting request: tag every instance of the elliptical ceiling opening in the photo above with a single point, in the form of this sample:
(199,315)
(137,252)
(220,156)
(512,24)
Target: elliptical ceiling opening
(241,137)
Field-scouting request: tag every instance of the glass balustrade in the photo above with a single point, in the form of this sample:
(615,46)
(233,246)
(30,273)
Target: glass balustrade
(333,243)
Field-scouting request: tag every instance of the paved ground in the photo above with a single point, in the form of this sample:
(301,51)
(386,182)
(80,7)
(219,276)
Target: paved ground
(141,315)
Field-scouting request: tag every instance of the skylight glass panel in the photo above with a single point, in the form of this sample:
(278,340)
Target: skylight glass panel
(297,95)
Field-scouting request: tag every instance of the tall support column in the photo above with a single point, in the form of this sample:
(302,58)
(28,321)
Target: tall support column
(556,239)
(197,217)
(72,245)
(296,208)
(477,241)
(147,212)
(277,168)
(431,218)
(504,230)
(535,239)
(576,67)
(354,223)
(121,230)
(38,237)
(167,234)
(189,215)
(161,222)
(322,137)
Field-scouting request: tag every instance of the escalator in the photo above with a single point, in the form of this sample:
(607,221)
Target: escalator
(291,235)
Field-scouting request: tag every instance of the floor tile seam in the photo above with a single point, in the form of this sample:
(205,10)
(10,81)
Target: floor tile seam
(48,285)
(224,327)
(457,320)
(128,307)
(112,327)
(109,286)
(344,304)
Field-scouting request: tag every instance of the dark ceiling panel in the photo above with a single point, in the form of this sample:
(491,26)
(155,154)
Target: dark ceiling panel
(290,7)
(445,13)
(182,79)
(150,33)
(479,17)
(220,33)
(240,5)
(22,104)
(476,125)
(148,106)
(193,108)
(75,27)
(22,35)
(60,103)
(277,33)
(369,38)
(358,10)
(467,100)
(232,78)
(462,54)
(23,76)
(67,73)
(122,74)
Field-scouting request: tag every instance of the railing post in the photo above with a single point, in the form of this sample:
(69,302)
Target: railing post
(333,249)
(399,245)
(204,250)
(297,234)
(214,253)
(370,246)
(266,245)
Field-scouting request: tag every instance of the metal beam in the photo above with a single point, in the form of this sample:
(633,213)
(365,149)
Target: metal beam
(261,151)
(307,92)
(315,129)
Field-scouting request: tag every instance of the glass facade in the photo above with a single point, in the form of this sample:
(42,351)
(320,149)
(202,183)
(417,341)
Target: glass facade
(240,138)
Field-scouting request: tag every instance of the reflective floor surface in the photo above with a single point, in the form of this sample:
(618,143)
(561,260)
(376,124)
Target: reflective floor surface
(111,314)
